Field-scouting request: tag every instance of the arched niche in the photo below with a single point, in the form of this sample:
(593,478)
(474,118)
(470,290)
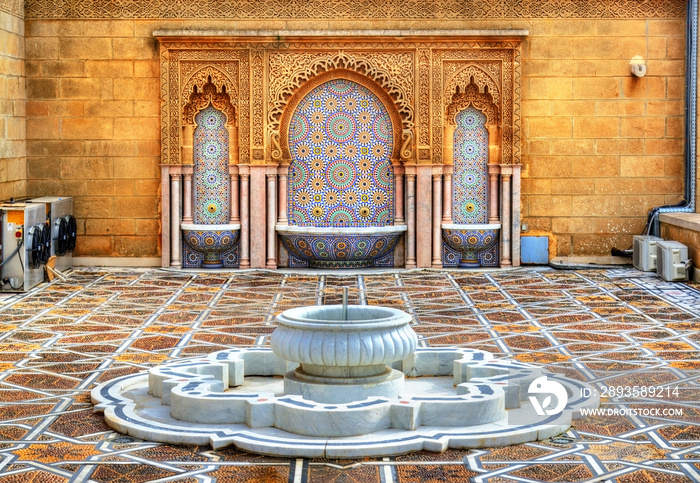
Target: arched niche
(208,87)
(483,97)
(341,142)
(371,85)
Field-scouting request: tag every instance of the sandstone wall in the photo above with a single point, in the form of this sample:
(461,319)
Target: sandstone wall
(12,107)
(600,148)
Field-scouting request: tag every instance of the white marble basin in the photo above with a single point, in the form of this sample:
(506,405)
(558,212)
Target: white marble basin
(343,351)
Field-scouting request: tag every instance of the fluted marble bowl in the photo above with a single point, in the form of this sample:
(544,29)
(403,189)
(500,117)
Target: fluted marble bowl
(361,346)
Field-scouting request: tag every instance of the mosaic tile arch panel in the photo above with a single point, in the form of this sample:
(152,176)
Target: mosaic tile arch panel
(471,148)
(340,141)
(211,177)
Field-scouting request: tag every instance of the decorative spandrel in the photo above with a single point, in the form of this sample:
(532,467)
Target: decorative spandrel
(341,140)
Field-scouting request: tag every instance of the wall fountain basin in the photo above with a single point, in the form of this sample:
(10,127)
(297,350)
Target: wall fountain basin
(340,247)
(469,240)
(343,382)
(211,240)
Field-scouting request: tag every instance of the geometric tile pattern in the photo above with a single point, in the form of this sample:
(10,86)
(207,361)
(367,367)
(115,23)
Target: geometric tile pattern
(471,157)
(487,258)
(211,176)
(611,328)
(194,259)
(340,138)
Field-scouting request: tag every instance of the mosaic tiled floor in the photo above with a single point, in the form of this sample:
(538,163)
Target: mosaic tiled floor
(614,328)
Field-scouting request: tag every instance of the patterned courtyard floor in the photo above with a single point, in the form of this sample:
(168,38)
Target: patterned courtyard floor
(615,329)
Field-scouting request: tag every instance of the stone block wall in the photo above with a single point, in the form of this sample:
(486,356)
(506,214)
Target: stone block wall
(13,148)
(93,130)
(599,147)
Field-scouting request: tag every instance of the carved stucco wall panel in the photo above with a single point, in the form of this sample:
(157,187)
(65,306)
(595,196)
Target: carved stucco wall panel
(224,77)
(189,64)
(348,9)
(490,64)
(419,77)
(393,71)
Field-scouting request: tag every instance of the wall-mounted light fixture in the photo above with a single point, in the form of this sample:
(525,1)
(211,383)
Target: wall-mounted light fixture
(638,66)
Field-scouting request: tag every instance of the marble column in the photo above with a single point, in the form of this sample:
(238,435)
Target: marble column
(187,197)
(398,197)
(506,173)
(258,216)
(283,172)
(271,176)
(244,243)
(493,171)
(437,218)
(165,214)
(175,197)
(447,195)
(235,216)
(424,210)
(411,219)
(516,215)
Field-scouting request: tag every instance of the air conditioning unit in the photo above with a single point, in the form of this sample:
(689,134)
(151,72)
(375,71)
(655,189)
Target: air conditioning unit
(672,261)
(25,246)
(644,252)
(59,216)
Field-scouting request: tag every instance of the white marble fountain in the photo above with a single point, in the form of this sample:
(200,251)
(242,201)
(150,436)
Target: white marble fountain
(342,381)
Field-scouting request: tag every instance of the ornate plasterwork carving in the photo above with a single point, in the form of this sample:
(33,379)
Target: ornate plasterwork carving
(15,7)
(288,71)
(209,94)
(223,74)
(257,63)
(424,97)
(184,65)
(499,68)
(351,9)
(484,75)
(473,85)
(417,78)
(471,96)
(209,84)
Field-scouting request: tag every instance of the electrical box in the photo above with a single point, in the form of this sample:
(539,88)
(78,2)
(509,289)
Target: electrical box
(63,227)
(24,236)
(534,250)
(644,252)
(672,261)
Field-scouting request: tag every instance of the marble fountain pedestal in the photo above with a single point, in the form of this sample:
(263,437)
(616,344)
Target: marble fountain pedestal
(341,382)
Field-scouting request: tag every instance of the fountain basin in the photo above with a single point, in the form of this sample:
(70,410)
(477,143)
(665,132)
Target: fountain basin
(343,351)
(470,240)
(454,397)
(211,240)
(340,247)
